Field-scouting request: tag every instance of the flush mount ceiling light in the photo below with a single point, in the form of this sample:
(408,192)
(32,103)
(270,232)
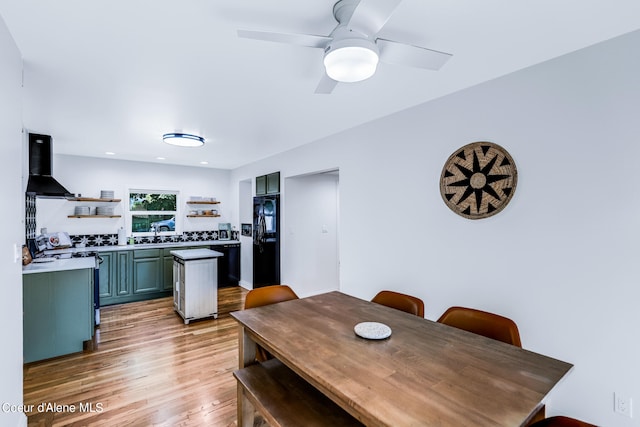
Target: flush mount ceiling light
(183,139)
(351,60)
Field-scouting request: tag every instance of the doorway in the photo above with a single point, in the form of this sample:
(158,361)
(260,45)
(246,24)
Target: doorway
(310,236)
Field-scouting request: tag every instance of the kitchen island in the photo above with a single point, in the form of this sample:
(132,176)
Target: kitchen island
(57,307)
(195,278)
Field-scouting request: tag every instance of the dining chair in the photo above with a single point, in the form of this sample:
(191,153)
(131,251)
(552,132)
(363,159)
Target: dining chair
(561,421)
(404,302)
(482,323)
(264,296)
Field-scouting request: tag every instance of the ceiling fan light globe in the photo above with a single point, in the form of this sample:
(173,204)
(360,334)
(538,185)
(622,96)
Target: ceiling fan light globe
(351,63)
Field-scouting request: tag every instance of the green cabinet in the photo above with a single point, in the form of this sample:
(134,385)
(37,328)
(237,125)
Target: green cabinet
(108,275)
(124,275)
(57,313)
(135,275)
(268,184)
(167,269)
(261,185)
(273,183)
(115,277)
(147,271)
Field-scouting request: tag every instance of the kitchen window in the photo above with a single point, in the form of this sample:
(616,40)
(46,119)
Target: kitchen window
(153,212)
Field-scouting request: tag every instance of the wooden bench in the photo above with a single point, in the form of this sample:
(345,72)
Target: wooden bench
(284,399)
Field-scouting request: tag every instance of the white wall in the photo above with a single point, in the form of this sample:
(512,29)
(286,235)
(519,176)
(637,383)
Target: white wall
(245,213)
(11,150)
(310,237)
(88,176)
(561,259)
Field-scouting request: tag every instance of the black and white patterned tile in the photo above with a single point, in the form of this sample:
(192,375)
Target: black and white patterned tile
(90,240)
(30,216)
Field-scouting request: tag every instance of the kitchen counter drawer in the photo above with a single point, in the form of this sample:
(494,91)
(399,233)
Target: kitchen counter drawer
(146,253)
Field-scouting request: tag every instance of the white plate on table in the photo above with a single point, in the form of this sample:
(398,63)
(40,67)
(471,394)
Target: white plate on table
(372,330)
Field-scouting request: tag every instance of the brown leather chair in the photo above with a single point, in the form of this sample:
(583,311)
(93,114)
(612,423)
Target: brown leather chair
(265,296)
(561,421)
(268,295)
(482,323)
(407,303)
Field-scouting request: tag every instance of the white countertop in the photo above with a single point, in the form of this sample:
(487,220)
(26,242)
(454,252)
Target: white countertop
(59,265)
(111,248)
(89,262)
(193,254)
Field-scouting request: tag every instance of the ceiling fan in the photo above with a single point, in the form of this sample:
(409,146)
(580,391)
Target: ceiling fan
(352,50)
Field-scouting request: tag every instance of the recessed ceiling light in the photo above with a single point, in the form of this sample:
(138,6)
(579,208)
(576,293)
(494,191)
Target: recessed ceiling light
(204,162)
(161,158)
(183,139)
(109,153)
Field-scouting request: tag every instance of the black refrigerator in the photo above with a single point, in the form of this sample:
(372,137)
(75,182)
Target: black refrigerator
(266,240)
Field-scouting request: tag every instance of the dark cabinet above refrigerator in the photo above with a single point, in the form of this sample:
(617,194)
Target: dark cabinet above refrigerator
(268,184)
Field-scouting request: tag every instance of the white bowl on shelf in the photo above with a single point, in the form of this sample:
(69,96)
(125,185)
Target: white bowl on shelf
(102,210)
(82,210)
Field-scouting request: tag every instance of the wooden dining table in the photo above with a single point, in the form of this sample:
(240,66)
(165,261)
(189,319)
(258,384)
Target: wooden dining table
(424,374)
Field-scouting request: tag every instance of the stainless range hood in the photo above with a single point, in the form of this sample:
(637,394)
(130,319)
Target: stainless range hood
(41,183)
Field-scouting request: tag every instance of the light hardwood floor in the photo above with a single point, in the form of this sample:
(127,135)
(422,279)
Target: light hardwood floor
(148,369)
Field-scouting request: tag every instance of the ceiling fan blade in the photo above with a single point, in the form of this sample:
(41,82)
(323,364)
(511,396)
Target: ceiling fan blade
(370,16)
(412,56)
(326,85)
(308,40)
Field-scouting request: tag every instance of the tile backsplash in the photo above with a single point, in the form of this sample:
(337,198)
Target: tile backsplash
(90,240)
(30,216)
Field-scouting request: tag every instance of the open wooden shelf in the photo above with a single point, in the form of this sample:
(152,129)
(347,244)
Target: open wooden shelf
(201,202)
(90,199)
(203,216)
(94,216)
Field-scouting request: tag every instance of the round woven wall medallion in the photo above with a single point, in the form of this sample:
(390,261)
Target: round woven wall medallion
(478,180)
